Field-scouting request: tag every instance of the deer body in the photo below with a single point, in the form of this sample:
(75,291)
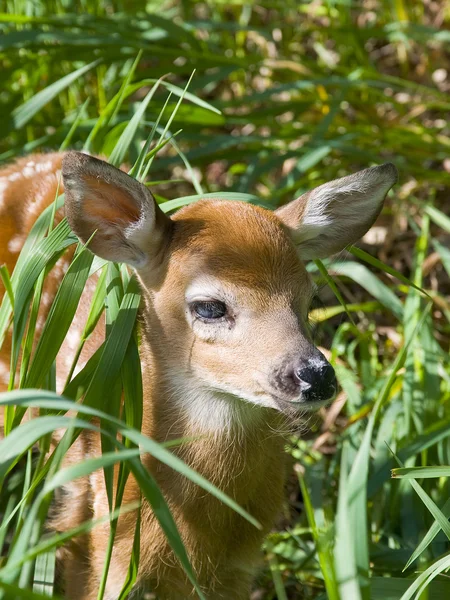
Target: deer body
(226,357)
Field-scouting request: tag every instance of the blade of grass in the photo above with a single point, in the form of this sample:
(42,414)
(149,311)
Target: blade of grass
(344,550)
(118,154)
(357,482)
(380,265)
(324,551)
(59,318)
(68,139)
(24,113)
(429,503)
(323,271)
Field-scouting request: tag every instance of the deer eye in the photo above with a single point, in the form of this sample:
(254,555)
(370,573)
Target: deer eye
(209,310)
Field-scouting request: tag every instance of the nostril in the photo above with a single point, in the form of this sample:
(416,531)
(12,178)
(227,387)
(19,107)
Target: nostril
(303,379)
(305,375)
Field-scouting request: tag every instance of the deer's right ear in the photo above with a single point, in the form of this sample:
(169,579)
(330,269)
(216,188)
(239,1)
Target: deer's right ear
(129,226)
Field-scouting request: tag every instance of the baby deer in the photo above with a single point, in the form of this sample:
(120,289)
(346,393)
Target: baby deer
(226,356)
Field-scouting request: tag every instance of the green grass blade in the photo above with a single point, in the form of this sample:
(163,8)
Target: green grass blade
(323,550)
(344,551)
(23,114)
(4,275)
(81,113)
(378,264)
(421,472)
(362,276)
(44,573)
(429,503)
(324,272)
(59,318)
(429,537)
(121,148)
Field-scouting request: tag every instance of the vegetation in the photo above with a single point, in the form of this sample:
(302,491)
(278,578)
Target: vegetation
(285,95)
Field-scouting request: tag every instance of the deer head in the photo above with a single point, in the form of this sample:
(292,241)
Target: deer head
(226,290)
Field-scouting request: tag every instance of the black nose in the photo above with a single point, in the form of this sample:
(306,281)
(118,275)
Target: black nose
(316,380)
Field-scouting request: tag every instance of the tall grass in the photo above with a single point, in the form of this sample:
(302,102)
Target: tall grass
(285,96)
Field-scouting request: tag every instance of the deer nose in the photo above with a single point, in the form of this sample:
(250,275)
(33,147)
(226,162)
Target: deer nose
(316,380)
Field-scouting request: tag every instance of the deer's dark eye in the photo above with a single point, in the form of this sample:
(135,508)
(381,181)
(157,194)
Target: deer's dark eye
(209,310)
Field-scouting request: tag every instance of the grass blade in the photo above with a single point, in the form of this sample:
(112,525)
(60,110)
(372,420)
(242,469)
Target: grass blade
(24,113)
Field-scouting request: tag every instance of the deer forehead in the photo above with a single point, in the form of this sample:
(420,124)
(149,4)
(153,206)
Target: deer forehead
(222,247)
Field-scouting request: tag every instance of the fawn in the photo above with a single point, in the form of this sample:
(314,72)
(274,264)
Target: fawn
(226,355)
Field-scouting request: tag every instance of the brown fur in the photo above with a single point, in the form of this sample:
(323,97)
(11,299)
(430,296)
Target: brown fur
(193,374)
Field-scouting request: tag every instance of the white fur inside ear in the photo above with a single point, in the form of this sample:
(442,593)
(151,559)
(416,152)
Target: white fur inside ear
(138,235)
(329,207)
(336,214)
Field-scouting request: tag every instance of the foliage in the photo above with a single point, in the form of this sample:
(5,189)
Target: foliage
(285,96)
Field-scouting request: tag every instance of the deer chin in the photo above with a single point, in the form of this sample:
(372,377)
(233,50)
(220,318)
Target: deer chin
(300,406)
(253,403)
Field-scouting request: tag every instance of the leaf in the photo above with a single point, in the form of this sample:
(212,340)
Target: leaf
(391,588)
(121,148)
(421,472)
(323,549)
(438,217)
(344,553)
(434,510)
(22,114)
(357,483)
(59,318)
(378,264)
(363,277)
(16,592)
(323,271)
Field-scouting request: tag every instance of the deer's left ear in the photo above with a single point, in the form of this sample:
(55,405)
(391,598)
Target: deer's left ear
(336,214)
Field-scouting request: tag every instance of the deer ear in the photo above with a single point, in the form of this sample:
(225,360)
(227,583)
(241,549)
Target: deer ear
(129,226)
(336,214)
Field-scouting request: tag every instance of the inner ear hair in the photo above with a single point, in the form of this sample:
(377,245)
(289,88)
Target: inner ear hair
(129,225)
(326,219)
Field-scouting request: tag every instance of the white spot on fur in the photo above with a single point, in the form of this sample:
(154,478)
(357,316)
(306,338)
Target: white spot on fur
(46,299)
(72,340)
(15,176)
(44,166)
(15,244)
(28,172)
(3,188)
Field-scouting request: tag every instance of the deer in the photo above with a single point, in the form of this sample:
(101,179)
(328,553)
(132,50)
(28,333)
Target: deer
(226,351)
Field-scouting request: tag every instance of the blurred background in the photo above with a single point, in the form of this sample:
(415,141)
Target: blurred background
(285,96)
